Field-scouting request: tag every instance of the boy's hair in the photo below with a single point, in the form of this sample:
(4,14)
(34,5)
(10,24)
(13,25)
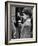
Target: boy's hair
(27,11)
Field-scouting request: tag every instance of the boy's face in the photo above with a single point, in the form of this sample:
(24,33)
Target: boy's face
(25,16)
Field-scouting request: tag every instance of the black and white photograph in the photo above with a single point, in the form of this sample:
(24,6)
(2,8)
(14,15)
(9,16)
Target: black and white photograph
(20,22)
